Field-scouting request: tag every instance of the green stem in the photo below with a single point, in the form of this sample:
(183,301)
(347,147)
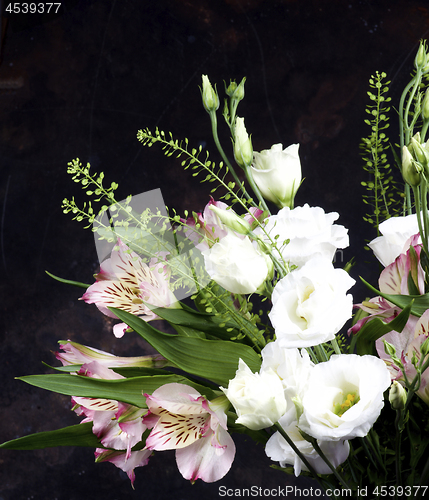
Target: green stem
(289,441)
(416,192)
(329,464)
(404,135)
(335,346)
(398,468)
(424,131)
(416,83)
(321,353)
(213,120)
(424,195)
(401,115)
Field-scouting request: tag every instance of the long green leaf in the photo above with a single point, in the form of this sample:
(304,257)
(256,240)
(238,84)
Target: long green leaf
(67,282)
(420,302)
(75,435)
(129,390)
(197,321)
(214,360)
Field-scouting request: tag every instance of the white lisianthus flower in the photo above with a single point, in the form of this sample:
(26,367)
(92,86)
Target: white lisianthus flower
(280,451)
(302,233)
(257,398)
(310,304)
(293,367)
(237,265)
(277,173)
(344,397)
(396,231)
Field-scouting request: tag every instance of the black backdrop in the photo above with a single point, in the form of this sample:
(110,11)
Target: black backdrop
(80,84)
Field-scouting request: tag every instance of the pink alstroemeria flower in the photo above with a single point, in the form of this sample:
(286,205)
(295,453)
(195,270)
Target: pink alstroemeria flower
(407,344)
(117,425)
(394,281)
(136,459)
(205,229)
(183,420)
(77,354)
(127,283)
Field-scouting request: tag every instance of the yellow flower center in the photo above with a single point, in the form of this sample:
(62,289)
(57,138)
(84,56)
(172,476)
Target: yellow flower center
(348,401)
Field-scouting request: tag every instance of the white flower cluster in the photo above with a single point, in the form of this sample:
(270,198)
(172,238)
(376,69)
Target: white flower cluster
(333,402)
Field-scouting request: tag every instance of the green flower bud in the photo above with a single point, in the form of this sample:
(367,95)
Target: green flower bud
(424,348)
(231,89)
(420,153)
(209,95)
(231,220)
(397,396)
(243,150)
(235,91)
(425,106)
(389,349)
(421,57)
(410,173)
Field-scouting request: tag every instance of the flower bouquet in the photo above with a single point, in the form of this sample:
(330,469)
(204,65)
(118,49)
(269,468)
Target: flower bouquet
(254,309)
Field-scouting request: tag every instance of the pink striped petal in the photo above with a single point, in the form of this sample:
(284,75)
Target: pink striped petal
(203,461)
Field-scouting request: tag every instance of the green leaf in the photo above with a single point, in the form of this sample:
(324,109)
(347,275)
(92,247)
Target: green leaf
(196,320)
(214,360)
(420,303)
(129,390)
(75,435)
(67,282)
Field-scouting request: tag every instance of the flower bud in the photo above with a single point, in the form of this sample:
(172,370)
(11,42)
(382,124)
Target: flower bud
(420,153)
(410,173)
(425,106)
(243,150)
(231,88)
(421,57)
(424,348)
(231,220)
(235,91)
(209,95)
(397,396)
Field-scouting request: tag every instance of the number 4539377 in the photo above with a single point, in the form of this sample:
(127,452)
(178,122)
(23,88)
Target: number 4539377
(33,8)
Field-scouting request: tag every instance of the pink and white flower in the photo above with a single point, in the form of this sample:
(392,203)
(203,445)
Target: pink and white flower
(394,280)
(136,459)
(205,229)
(183,420)
(127,283)
(117,425)
(407,345)
(77,354)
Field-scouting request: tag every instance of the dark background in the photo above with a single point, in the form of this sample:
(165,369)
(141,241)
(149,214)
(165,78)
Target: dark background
(80,84)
